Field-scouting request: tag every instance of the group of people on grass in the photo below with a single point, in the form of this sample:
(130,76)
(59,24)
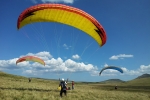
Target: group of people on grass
(64,88)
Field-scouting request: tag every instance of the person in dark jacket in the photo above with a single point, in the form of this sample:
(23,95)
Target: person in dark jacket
(63,87)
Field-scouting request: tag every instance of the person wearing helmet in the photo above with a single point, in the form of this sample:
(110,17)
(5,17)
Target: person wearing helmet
(63,87)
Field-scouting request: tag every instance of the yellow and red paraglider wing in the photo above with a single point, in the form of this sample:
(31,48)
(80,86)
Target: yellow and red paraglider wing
(30,58)
(66,15)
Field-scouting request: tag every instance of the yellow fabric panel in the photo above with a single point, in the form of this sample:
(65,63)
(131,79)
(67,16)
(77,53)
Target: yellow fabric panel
(65,17)
(59,88)
(35,60)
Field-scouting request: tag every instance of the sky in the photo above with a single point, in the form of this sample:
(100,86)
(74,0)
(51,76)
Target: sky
(71,53)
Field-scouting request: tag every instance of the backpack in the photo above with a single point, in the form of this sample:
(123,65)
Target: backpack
(63,85)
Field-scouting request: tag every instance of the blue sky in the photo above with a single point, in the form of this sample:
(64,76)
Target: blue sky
(71,53)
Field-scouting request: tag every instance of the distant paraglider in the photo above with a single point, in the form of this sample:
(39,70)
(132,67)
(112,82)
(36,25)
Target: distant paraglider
(111,67)
(66,15)
(30,58)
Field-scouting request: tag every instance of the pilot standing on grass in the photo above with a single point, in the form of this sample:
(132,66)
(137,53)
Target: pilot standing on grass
(29,79)
(72,85)
(116,87)
(63,87)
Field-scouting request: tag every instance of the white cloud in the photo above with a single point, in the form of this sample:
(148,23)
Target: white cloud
(130,72)
(28,71)
(52,65)
(105,65)
(43,55)
(59,65)
(11,64)
(54,1)
(76,57)
(120,56)
(144,69)
(66,46)
(31,72)
(94,73)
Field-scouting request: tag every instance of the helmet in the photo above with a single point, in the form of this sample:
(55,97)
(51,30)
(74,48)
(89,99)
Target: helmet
(62,79)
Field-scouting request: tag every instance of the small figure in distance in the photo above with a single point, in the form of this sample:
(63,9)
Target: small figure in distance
(29,79)
(116,87)
(72,85)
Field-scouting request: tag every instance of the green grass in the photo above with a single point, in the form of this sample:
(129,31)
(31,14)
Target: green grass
(18,88)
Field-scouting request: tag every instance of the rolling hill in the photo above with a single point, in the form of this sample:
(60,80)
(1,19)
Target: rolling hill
(140,80)
(143,76)
(143,80)
(111,81)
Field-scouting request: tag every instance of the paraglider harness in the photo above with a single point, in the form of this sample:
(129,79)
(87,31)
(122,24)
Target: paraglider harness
(63,88)
(63,85)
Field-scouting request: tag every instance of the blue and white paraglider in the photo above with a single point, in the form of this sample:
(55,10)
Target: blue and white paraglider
(111,67)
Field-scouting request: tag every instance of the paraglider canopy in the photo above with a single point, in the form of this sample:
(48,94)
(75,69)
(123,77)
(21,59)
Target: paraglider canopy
(111,67)
(66,15)
(30,58)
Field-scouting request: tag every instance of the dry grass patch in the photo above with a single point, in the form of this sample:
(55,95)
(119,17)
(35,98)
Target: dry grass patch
(18,88)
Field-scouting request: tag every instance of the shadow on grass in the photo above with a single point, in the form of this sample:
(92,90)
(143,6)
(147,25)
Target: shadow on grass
(29,89)
(124,88)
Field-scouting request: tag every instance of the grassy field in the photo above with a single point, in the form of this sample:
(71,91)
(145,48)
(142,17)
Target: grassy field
(18,88)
